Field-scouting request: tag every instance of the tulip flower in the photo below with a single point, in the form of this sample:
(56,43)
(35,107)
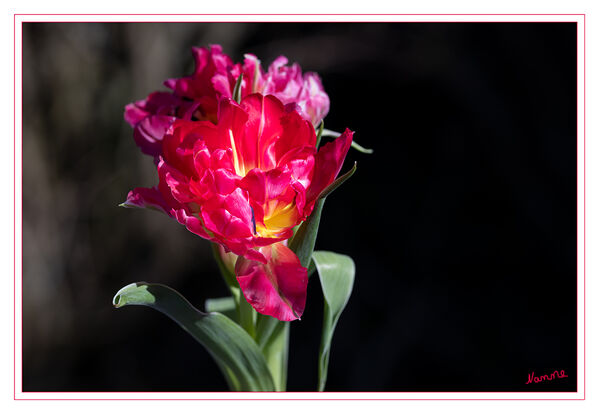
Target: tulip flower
(245,182)
(239,164)
(196,97)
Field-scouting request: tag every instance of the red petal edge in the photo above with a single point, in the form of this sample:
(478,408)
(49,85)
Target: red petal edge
(328,163)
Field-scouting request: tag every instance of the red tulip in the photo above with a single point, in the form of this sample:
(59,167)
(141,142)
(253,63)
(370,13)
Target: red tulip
(246,182)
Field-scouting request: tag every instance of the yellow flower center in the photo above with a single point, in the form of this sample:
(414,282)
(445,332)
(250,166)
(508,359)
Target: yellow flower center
(277,217)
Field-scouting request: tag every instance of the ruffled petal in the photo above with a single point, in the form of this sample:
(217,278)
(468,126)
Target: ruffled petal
(328,162)
(134,113)
(150,131)
(141,197)
(313,100)
(193,224)
(177,183)
(297,140)
(272,197)
(214,73)
(277,288)
(229,217)
(254,75)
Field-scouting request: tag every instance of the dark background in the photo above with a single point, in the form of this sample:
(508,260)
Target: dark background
(462,224)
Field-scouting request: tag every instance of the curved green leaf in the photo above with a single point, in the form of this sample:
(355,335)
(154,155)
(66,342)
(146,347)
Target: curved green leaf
(304,238)
(232,348)
(302,243)
(319,133)
(237,89)
(336,272)
(354,144)
(225,305)
(360,148)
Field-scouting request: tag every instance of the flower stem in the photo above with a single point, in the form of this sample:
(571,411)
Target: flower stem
(247,316)
(272,337)
(276,354)
(227,274)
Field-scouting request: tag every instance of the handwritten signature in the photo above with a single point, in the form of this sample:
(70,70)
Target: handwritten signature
(555,374)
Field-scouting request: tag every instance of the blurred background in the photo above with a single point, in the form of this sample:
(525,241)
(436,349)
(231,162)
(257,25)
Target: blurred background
(462,224)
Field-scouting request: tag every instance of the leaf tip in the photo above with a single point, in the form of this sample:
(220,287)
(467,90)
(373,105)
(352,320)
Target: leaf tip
(116,301)
(122,296)
(237,89)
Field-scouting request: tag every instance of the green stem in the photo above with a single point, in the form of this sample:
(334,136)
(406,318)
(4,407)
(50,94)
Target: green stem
(328,326)
(271,335)
(281,344)
(247,316)
(228,277)
(275,348)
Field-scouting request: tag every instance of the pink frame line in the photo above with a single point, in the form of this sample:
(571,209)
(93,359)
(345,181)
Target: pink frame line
(295,392)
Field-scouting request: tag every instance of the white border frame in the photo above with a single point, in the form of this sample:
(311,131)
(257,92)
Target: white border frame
(578,18)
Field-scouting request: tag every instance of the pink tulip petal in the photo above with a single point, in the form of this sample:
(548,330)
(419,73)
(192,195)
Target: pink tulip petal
(148,133)
(277,288)
(193,224)
(328,162)
(134,113)
(254,75)
(141,197)
(261,129)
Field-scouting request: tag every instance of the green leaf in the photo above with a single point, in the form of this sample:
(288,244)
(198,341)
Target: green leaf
(329,133)
(340,180)
(265,326)
(354,144)
(272,336)
(304,239)
(232,348)
(360,148)
(311,268)
(319,134)
(237,89)
(245,314)
(336,273)
(226,306)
